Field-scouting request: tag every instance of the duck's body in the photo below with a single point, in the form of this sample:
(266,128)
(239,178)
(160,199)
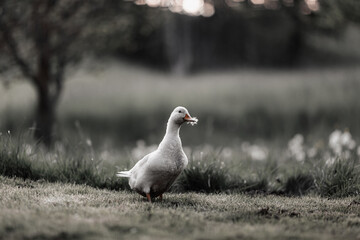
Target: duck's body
(157,171)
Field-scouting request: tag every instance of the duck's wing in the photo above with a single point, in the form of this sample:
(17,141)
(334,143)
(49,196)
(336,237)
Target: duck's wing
(141,163)
(137,166)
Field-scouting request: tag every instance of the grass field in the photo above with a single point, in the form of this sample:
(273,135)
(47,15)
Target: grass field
(266,130)
(40,210)
(276,151)
(118,103)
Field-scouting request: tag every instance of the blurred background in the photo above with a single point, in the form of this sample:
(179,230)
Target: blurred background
(109,72)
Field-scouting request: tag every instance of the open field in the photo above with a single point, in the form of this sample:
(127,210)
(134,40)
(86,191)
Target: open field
(119,103)
(41,210)
(277,152)
(112,114)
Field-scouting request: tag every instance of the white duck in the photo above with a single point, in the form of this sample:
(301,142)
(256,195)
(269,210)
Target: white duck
(156,172)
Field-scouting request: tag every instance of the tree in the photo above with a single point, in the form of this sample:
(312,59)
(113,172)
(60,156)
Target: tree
(41,38)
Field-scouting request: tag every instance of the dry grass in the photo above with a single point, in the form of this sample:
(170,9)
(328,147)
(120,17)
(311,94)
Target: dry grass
(41,210)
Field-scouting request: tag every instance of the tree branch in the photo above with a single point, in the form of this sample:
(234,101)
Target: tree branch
(12,45)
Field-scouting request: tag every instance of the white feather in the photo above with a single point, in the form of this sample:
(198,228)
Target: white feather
(126,174)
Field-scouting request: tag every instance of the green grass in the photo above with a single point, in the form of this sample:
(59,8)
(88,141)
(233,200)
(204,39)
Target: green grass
(42,210)
(339,180)
(70,192)
(207,172)
(70,164)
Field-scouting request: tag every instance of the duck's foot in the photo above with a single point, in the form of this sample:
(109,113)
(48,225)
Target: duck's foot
(148,197)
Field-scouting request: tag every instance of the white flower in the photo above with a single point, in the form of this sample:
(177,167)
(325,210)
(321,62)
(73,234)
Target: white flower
(345,138)
(257,153)
(226,152)
(347,141)
(300,156)
(335,140)
(296,148)
(298,138)
(338,141)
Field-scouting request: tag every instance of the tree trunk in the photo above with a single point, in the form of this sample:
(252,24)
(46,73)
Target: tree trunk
(45,115)
(45,118)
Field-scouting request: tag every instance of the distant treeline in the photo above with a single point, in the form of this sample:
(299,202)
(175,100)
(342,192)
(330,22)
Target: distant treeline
(240,36)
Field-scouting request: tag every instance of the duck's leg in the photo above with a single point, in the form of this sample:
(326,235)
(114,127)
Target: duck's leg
(148,197)
(161,197)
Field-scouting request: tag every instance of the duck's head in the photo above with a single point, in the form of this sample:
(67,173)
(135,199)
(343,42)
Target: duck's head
(181,115)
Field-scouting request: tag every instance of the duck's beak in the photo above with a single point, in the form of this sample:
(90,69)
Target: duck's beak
(187,118)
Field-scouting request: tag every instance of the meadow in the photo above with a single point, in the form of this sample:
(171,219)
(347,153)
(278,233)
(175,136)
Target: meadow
(123,103)
(275,155)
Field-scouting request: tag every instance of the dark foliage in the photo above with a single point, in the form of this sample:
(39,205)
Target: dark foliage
(299,184)
(206,180)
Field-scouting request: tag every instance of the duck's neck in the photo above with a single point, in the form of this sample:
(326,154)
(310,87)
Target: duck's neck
(172,137)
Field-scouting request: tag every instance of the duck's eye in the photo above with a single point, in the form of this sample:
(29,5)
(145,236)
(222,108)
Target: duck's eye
(179,111)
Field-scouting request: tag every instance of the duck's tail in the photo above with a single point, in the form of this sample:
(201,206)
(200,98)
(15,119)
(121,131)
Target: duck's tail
(124,174)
